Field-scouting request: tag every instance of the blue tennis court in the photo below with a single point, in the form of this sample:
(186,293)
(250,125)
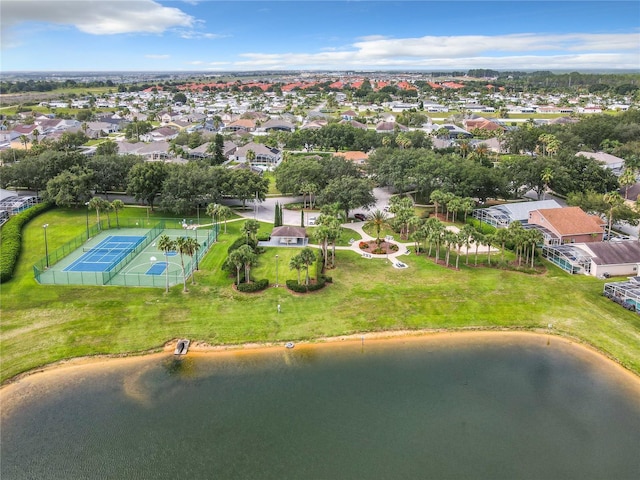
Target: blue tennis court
(157,268)
(106,255)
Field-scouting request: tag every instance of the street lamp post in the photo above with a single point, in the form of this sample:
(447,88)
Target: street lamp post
(46,246)
(276,271)
(87,205)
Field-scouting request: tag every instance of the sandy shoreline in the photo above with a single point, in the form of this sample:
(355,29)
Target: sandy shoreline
(442,338)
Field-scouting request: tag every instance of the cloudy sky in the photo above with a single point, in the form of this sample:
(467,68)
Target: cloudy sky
(200,35)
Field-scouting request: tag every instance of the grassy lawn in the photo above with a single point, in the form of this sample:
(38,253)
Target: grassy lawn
(346,235)
(43,324)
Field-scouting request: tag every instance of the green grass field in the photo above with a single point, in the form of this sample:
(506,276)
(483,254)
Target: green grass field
(42,324)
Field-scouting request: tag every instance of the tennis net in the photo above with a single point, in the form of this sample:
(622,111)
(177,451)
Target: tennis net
(107,250)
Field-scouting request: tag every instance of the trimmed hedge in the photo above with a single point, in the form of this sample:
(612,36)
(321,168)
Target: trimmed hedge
(253,287)
(12,239)
(302,288)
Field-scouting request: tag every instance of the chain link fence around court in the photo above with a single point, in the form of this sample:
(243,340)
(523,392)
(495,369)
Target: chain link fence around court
(132,269)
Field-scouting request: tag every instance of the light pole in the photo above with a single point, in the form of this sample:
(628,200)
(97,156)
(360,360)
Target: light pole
(276,271)
(87,205)
(46,246)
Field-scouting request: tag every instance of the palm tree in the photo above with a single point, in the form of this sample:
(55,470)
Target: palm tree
(614,200)
(248,257)
(627,179)
(501,236)
(489,240)
(437,197)
(433,229)
(307,257)
(466,206)
(250,156)
(166,245)
(191,248)
(99,204)
(547,176)
(296,264)
(250,228)
(450,239)
(477,238)
(224,212)
(117,205)
(466,234)
(321,236)
(454,205)
(24,139)
(534,237)
(377,220)
(181,245)
(464,146)
(236,259)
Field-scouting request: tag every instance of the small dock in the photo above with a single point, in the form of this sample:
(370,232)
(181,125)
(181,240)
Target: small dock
(182,347)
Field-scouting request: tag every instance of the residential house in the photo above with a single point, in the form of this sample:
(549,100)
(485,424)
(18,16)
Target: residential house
(275,124)
(162,134)
(616,164)
(241,125)
(264,156)
(390,127)
(482,124)
(568,225)
(357,157)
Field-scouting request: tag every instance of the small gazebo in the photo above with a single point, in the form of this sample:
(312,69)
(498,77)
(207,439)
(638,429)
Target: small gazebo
(288,235)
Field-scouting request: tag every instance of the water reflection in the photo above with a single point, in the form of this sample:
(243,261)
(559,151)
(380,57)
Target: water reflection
(401,410)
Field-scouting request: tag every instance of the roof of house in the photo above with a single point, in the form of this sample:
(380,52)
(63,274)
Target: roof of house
(390,127)
(520,210)
(481,123)
(243,123)
(615,253)
(258,149)
(352,155)
(572,221)
(288,231)
(602,157)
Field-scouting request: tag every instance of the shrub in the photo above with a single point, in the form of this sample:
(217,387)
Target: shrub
(254,286)
(240,241)
(363,245)
(296,287)
(264,237)
(12,239)
(312,287)
(301,288)
(393,247)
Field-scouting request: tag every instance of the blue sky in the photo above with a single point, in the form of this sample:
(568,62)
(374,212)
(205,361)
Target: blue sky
(211,35)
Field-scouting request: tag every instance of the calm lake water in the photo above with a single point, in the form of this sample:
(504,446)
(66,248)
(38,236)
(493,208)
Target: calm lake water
(509,407)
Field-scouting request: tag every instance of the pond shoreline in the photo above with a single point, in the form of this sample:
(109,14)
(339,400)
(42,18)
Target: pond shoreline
(458,337)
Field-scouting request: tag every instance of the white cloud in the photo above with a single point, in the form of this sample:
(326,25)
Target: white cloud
(157,57)
(97,18)
(521,51)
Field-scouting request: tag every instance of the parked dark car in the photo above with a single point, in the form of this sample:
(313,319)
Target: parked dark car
(360,216)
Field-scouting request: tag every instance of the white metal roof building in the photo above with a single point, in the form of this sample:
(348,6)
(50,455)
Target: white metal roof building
(501,216)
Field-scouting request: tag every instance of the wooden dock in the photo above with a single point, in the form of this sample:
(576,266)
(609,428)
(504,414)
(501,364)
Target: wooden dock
(182,347)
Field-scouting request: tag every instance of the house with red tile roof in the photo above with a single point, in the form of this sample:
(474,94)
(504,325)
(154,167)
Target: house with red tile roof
(482,124)
(569,224)
(354,156)
(452,85)
(406,86)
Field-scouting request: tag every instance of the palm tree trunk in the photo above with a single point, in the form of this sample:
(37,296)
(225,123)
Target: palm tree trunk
(184,274)
(166,271)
